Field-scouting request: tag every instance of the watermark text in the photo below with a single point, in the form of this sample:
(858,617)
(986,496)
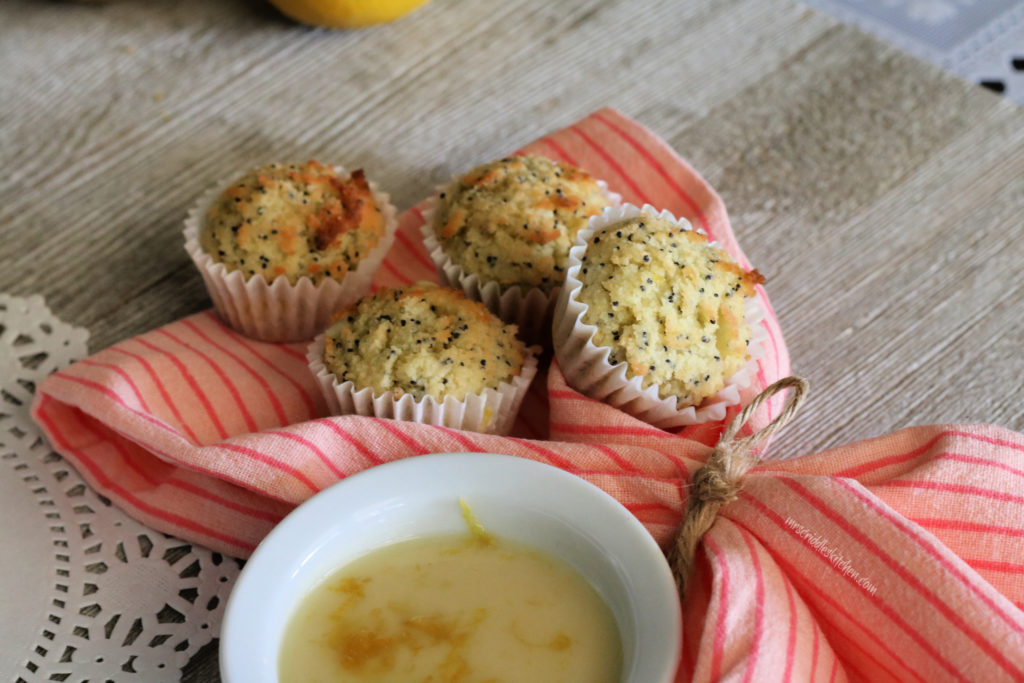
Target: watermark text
(832,553)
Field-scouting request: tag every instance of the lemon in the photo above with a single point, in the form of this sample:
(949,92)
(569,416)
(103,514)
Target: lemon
(346,13)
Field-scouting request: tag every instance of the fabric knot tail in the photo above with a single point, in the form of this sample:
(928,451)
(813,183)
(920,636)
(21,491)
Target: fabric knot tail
(719,480)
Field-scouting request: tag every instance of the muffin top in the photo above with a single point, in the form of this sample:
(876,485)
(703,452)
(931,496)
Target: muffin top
(422,340)
(294,220)
(668,305)
(513,221)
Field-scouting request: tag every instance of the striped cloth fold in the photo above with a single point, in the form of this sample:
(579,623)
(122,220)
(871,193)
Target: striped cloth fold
(897,558)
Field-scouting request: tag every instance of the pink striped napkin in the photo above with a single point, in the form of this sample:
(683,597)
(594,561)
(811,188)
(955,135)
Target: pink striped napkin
(896,558)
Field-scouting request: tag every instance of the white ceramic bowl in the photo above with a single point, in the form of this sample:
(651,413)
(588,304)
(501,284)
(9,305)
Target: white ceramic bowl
(514,498)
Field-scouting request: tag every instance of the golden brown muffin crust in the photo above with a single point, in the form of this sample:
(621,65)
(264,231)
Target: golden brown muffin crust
(512,221)
(422,340)
(668,305)
(294,220)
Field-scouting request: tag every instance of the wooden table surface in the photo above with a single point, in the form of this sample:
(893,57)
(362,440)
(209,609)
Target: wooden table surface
(882,197)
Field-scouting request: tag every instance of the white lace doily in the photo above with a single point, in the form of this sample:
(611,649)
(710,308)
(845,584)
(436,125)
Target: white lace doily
(86,593)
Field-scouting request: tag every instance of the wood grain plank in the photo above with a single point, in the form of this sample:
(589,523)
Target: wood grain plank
(871,191)
(819,139)
(126,183)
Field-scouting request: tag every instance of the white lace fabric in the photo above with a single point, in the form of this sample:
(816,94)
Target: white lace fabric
(86,592)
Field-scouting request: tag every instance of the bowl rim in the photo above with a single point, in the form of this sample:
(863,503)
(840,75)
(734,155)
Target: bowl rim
(639,562)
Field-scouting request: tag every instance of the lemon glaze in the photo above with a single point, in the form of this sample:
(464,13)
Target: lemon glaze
(468,607)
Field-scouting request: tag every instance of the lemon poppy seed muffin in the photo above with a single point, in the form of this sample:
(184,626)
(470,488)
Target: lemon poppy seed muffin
(422,340)
(295,220)
(668,305)
(513,221)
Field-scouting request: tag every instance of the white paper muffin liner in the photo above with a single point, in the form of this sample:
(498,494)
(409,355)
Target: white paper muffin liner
(585,364)
(279,311)
(492,411)
(530,308)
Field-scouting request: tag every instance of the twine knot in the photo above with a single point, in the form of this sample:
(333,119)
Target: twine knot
(719,480)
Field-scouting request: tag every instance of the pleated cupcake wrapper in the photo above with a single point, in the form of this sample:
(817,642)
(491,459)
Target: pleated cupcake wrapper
(530,308)
(279,311)
(586,366)
(492,411)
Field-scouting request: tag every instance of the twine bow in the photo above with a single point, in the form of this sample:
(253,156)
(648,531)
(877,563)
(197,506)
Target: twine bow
(718,482)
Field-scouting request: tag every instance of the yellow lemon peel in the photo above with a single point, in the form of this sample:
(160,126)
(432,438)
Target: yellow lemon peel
(346,13)
(479,533)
